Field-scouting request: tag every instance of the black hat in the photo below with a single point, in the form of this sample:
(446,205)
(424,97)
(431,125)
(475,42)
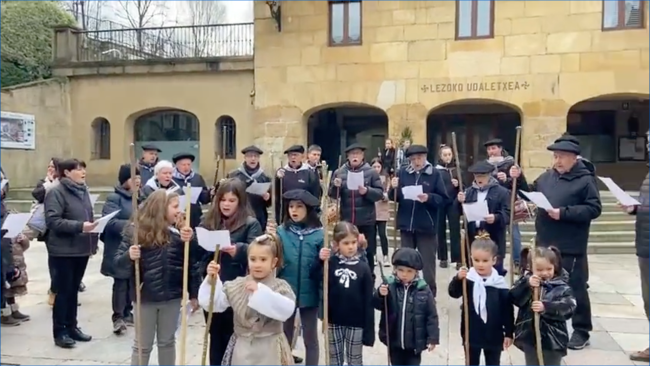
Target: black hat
(408,257)
(183,155)
(252,149)
(124,173)
(482,167)
(565,146)
(497,142)
(295,149)
(416,149)
(568,138)
(303,196)
(355,146)
(151,147)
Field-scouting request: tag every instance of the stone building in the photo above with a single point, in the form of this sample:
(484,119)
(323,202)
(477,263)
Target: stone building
(338,72)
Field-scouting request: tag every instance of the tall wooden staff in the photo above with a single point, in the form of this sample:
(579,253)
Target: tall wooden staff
(384,281)
(463,254)
(138,291)
(326,264)
(513,198)
(538,333)
(186,265)
(338,193)
(273,200)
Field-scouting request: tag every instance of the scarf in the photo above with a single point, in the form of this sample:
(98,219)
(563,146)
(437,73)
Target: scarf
(426,169)
(300,230)
(491,183)
(479,294)
(348,260)
(301,167)
(251,174)
(184,177)
(81,191)
(147,166)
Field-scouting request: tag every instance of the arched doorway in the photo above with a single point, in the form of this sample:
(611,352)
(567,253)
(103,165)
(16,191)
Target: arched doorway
(612,132)
(172,131)
(474,121)
(334,128)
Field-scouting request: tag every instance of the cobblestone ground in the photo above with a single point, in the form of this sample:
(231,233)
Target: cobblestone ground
(619,322)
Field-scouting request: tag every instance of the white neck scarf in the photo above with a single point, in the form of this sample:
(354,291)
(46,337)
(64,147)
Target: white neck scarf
(479,293)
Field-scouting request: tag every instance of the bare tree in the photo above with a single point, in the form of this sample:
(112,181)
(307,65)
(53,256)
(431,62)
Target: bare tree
(139,14)
(202,16)
(89,14)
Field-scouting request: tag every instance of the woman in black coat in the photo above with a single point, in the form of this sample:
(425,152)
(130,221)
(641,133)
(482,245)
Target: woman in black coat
(449,211)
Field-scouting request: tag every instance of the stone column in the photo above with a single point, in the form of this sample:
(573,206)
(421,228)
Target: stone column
(64,47)
(277,128)
(413,116)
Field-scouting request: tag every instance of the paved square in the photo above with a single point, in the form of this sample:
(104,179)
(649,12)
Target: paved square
(620,325)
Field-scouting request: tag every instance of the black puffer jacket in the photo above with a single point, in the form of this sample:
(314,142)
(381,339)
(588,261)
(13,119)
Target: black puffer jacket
(161,267)
(357,208)
(447,173)
(642,224)
(112,235)
(412,315)
(559,305)
(258,204)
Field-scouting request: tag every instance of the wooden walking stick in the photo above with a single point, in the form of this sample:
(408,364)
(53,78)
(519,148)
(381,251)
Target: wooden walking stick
(326,266)
(186,265)
(138,291)
(338,193)
(385,282)
(536,315)
(513,199)
(463,254)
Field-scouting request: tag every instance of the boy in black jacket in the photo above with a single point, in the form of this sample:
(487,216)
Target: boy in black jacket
(412,314)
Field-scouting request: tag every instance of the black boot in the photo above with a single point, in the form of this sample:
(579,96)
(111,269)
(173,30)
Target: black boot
(444,264)
(79,336)
(64,341)
(119,326)
(16,314)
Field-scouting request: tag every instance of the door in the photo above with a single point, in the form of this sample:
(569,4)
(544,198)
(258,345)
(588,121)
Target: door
(172,131)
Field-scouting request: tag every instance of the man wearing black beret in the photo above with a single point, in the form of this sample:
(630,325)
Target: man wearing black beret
(296,174)
(251,172)
(184,174)
(148,161)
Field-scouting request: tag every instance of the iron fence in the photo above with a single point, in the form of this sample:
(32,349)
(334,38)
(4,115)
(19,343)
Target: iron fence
(220,40)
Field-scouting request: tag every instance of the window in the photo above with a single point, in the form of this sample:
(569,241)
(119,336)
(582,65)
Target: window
(226,134)
(167,125)
(623,15)
(101,139)
(474,19)
(345,23)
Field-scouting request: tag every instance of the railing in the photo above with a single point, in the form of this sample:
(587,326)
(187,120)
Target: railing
(221,40)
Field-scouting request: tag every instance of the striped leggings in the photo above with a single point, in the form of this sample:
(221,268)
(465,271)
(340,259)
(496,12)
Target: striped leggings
(346,344)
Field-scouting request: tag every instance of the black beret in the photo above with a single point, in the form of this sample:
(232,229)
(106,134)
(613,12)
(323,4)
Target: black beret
(568,138)
(252,149)
(183,155)
(150,147)
(295,149)
(497,142)
(408,257)
(303,196)
(482,167)
(355,146)
(416,149)
(565,146)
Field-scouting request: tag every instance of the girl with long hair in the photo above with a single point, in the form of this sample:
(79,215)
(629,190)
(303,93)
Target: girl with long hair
(382,210)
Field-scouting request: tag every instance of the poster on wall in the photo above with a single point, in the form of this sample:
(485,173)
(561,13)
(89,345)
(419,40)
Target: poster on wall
(18,131)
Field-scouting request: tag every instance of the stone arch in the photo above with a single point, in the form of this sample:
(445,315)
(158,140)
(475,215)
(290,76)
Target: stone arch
(226,137)
(101,139)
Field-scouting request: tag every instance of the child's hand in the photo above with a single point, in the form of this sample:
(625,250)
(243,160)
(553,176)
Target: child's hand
(534,281)
(462,273)
(213,269)
(431,347)
(537,306)
(134,252)
(507,342)
(187,233)
(251,287)
(324,254)
(383,290)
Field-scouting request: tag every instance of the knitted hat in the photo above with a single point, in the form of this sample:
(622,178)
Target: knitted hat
(125,173)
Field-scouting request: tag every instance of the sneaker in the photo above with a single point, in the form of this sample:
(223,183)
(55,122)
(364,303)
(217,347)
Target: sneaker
(128,319)
(641,356)
(19,316)
(386,261)
(119,326)
(9,321)
(64,341)
(579,340)
(444,264)
(51,296)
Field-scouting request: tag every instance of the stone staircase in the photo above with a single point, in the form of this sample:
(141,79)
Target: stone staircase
(611,233)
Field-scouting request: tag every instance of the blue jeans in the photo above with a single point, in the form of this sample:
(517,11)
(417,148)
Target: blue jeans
(516,242)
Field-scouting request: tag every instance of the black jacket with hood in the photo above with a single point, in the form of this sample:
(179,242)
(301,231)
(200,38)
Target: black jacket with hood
(258,204)
(357,208)
(559,305)
(576,194)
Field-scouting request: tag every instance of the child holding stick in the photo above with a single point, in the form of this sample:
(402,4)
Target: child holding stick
(556,305)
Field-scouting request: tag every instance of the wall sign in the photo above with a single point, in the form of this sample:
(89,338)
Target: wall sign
(18,131)
(492,86)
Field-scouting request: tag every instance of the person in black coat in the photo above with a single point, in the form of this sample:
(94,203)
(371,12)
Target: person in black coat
(490,312)
(295,175)
(388,158)
(148,161)
(450,210)
(183,175)
(120,200)
(357,205)
(412,313)
(69,218)
(571,189)
(231,212)
(251,172)
(486,188)
(314,153)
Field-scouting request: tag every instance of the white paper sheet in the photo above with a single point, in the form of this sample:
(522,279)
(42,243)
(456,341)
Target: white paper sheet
(188,314)
(355,180)
(538,199)
(622,197)
(15,223)
(411,192)
(102,221)
(195,193)
(258,189)
(93,199)
(210,240)
(3,183)
(476,211)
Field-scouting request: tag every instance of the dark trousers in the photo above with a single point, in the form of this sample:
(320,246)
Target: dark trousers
(69,273)
(644,270)
(221,329)
(399,356)
(427,245)
(452,213)
(492,356)
(122,302)
(370,232)
(578,268)
(383,239)
(50,267)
